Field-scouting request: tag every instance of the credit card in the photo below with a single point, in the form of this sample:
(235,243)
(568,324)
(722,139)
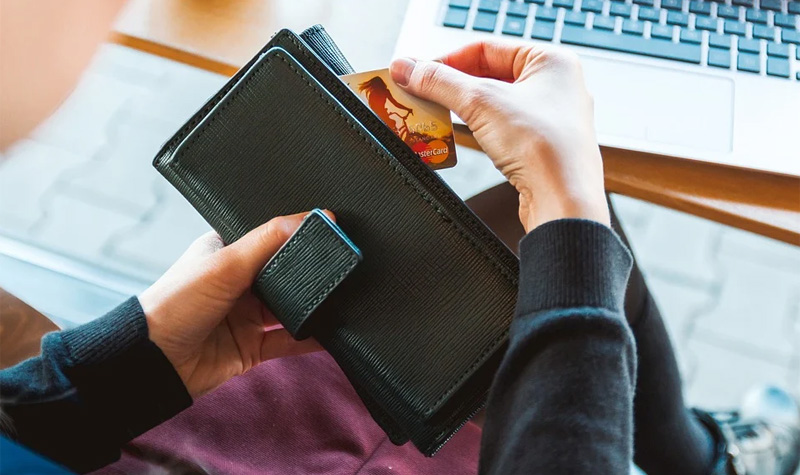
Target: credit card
(424,126)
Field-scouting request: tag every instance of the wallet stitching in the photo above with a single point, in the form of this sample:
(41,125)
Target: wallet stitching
(289,246)
(397,170)
(438,186)
(309,307)
(492,346)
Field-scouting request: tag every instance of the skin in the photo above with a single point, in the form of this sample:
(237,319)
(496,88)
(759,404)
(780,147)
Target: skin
(528,108)
(203,316)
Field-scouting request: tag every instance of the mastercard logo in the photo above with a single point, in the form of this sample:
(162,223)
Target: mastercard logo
(435,151)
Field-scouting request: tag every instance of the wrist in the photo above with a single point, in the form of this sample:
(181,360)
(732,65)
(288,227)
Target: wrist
(567,205)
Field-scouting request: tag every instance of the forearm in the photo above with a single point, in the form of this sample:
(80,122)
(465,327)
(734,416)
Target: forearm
(562,399)
(92,389)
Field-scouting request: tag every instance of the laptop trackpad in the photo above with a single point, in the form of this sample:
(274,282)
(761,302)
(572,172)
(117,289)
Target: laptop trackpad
(660,105)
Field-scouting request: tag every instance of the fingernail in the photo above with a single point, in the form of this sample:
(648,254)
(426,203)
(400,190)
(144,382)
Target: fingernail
(401,70)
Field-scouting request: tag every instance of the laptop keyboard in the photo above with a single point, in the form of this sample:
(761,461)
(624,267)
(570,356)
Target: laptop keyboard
(753,36)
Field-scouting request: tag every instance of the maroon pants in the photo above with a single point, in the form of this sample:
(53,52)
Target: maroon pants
(291,415)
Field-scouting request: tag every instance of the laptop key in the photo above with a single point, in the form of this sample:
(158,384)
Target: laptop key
(691,36)
(727,11)
(538,2)
(719,41)
(633,27)
(574,35)
(785,21)
(778,67)
(779,50)
(705,23)
(749,45)
(514,26)
(735,28)
(604,22)
(647,3)
(794,7)
(543,30)
(484,21)
(592,6)
(744,3)
(791,36)
(620,9)
(568,4)
(672,4)
(456,17)
(720,58)
(460,3)
(700,8)
(748,62)
(491,6)
(763,32)
(661,31)
(756,16)
(546,13)
(649,14)
(677,18)
(575,18)
(517,9)
(774,5)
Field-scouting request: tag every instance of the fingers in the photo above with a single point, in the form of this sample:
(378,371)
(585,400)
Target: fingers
(490,59)
(244,259)
(279,343)
(436,82)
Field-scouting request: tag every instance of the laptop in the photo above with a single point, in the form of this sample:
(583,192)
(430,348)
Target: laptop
(717,81)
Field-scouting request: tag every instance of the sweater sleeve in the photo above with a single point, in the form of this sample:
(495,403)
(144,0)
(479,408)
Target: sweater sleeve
(562,400)
(92,389)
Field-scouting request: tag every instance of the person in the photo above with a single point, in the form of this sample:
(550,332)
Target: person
(589,374)
(378,95)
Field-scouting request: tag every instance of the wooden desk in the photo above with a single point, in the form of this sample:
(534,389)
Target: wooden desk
(220,36)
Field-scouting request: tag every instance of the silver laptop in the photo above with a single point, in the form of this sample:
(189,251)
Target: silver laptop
(715,81)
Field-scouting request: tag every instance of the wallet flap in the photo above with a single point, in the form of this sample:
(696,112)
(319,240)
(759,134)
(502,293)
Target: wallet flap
(305,271)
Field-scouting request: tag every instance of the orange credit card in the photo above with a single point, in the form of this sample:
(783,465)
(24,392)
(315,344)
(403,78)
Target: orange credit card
(424,126)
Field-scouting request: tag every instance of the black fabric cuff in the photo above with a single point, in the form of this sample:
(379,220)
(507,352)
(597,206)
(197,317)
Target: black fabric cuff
(572,263)
(123,378)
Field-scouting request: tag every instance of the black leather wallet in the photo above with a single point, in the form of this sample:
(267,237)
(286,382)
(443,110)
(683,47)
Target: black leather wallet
(420,324)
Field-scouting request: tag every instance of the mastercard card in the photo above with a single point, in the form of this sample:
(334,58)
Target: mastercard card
(424,126)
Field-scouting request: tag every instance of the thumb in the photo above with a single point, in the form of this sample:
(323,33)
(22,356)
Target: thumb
(241,261)
(436,82)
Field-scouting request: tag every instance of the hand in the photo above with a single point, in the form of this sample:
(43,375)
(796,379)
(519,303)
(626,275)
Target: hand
(204,318)
(528,108)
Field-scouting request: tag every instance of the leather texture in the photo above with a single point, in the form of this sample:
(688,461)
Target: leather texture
(420,325)
(319,41)
(305,271)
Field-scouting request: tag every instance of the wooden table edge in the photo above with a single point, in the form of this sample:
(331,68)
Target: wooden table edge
(641,183)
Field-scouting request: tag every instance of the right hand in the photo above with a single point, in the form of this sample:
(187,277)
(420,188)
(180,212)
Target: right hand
(529,110)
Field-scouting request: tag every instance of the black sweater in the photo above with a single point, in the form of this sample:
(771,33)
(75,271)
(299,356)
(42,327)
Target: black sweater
(561,401)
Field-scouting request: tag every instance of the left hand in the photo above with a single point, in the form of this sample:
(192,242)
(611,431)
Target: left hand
(204,318)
